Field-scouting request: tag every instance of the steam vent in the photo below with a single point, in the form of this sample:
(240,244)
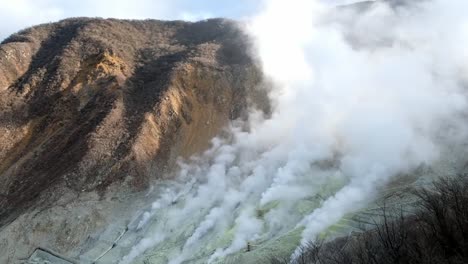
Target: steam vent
(298,132)
(93,111)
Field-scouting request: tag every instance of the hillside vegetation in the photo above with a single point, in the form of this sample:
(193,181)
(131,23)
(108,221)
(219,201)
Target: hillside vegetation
(435,233)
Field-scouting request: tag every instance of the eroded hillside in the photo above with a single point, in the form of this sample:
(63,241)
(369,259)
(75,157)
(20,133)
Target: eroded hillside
(90,107)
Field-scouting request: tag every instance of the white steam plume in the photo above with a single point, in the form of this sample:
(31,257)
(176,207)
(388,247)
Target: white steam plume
(376,89)
(358,99)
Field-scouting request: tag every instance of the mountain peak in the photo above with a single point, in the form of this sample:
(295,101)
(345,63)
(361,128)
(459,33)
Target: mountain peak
(90,105)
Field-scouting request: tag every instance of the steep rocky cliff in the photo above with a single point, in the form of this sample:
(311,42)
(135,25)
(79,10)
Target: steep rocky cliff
(92,109)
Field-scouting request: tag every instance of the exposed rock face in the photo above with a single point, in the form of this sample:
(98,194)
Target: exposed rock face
(92,105)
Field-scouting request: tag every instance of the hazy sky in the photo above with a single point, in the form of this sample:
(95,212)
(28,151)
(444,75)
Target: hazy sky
(18,14)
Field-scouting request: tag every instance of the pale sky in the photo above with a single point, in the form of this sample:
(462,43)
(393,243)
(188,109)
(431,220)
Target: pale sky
(19,14)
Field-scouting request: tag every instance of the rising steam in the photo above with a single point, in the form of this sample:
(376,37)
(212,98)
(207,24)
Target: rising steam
(359,97)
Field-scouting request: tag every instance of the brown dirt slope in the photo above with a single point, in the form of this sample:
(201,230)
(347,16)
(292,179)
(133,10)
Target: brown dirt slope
(86,104)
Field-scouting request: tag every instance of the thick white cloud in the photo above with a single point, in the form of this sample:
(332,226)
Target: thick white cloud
(359,98)
(374,95)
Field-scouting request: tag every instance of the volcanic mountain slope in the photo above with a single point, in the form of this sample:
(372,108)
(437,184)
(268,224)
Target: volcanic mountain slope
(90,107)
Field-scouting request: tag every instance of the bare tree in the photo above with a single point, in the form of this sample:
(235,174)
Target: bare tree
(435,233)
